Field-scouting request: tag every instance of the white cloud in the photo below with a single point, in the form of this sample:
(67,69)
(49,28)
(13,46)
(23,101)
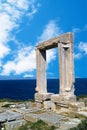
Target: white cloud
(83,47)
(11,12)
(51,55)
(25,59)
(29,76)
(0,63)
(51,30)
(5,27)
(77,56)
(9,16)
(21,4)
(24,62)
(76,30)
(4,50)
(33,10)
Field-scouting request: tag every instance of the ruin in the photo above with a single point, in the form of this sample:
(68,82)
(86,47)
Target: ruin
(66,65)
(55,105)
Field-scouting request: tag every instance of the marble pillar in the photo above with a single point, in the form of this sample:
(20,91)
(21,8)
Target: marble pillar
(41,84)
(66,67)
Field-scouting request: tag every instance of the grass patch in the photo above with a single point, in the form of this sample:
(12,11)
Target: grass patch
(14,100)
(9,100)
(39,125)
(24,127)
(81,97)
(7,105)
(81,126)
(74,115)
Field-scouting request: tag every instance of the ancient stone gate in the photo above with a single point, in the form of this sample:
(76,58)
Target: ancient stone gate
(66,66)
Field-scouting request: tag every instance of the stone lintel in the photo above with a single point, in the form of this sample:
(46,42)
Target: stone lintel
(52,43)
(40,97)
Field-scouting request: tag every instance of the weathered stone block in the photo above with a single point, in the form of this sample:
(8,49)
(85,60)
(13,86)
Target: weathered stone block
(39,104)
(74,106)
(62,99)
(14,125)
(53,106)
(47,104)
(31,117)
(40,97)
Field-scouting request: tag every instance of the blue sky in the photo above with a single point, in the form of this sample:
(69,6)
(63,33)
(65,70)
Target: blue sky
(25,23)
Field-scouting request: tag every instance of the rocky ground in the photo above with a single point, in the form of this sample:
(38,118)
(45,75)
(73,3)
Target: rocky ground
(15,114)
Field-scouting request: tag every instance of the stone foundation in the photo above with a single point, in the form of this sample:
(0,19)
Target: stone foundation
(75,106)
(61,101)
(43,100)
(40,97)
(57,98)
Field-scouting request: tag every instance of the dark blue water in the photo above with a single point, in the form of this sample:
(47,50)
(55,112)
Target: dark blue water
(25,89)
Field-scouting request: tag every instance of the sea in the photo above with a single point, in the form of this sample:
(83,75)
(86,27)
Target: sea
(23,89)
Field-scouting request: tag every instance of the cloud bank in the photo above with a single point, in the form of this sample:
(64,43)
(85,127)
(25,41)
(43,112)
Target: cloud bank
(82,48)
(25,59)
(11,13)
